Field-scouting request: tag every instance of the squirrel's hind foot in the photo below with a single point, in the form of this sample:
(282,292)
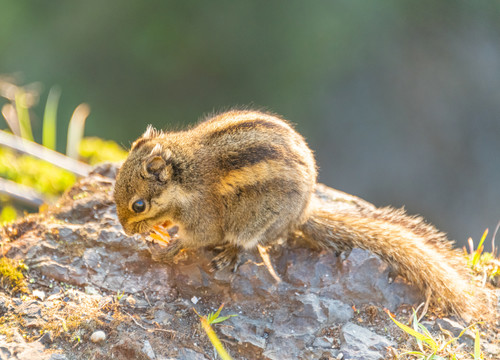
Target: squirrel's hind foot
(228,257)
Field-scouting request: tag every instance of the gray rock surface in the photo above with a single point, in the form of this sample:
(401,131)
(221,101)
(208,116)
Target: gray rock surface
(18,348)
(456,328)
(79,256)
(359,343)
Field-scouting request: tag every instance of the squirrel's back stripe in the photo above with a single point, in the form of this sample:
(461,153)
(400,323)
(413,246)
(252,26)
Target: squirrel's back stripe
(251,175)
(234,122)
(249,156)
(231,128)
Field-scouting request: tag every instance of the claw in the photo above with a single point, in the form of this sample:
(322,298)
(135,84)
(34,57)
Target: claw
(228,257)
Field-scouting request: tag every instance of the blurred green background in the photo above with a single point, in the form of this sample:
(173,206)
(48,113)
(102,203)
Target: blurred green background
(399,99)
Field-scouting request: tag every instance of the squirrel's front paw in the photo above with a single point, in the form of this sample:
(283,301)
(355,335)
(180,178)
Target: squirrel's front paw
(162,253)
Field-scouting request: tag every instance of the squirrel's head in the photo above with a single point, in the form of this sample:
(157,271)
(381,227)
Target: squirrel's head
(146,185)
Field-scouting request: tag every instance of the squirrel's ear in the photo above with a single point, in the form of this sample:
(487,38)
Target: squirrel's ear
(157,167)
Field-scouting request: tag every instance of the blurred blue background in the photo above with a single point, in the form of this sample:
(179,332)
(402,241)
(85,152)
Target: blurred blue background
(399,99)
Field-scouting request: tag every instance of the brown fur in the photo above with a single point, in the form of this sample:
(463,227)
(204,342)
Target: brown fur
(244,178)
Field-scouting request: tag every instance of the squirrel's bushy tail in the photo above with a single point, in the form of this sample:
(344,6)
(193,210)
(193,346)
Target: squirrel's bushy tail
(413,248)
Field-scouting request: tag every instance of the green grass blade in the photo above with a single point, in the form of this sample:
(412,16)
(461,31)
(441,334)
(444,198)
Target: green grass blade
(415,325)
(420,354)
(477,253)
(224,355)
(449,342)
(222,318)
(49,134)
(415,334)
(212,317)
(477,347)
(424,330)
(23,116)
(215,318)
(75,130)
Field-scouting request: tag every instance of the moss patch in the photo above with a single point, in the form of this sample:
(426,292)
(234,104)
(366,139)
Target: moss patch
(11,274)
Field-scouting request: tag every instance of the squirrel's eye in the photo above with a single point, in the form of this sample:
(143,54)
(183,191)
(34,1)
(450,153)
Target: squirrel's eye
(139,206)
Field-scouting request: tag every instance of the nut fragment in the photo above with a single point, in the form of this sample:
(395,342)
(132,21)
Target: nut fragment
(161,235)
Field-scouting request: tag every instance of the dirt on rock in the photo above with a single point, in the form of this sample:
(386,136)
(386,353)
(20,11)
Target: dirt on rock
(85,275)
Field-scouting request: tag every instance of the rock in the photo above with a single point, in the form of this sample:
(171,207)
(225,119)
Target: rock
(492,349)
(90,290)
(5,304)
(162,317)
(46,338)
(246,330)
(456,328)
(357,283)
(281,348)
(78,244)
(108,170)
(58,357)
(31,351)
(126,348)
(299,320)
(29,308)
(18,349)
(39,294)
(323,342)
(188,354)
(448,324)
(31,312)
(5,353)
(328,311)
(497,291)
(147,349)
(98,336)
(323,354)
(363,344)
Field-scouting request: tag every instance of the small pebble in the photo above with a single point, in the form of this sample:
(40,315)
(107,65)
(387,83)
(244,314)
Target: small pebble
(130,300)
(90,290)
(39,294)
(98,336)
(195,300)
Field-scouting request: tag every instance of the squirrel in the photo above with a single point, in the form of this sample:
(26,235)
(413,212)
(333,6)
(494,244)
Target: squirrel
(246,178)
